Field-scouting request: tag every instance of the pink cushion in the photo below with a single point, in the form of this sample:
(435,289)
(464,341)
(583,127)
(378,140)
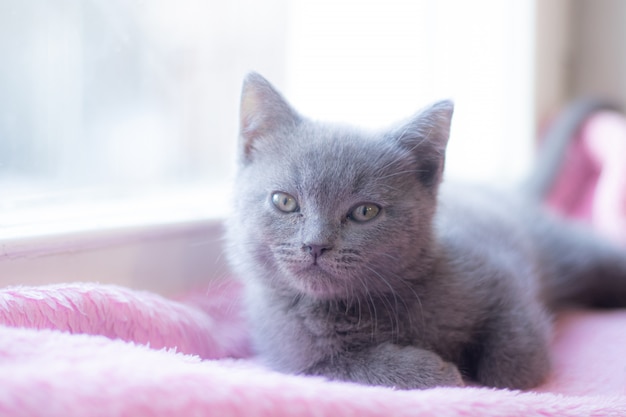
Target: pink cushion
(117,352)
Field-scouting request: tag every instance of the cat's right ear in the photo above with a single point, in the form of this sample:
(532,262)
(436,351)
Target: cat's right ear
(263,112)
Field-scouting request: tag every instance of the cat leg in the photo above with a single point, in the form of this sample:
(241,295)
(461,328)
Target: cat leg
(514,350)
(387,364)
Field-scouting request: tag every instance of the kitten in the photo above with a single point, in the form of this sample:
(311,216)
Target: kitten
(359,266)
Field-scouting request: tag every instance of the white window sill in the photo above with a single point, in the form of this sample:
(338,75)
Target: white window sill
(169,242)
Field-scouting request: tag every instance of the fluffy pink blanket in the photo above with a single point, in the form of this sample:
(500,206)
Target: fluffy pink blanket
(97,350)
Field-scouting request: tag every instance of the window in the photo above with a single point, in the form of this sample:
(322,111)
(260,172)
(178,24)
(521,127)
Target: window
(119,117)
(111,101)
(375,62)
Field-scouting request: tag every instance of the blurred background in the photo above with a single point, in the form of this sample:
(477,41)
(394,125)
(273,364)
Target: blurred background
(127,109)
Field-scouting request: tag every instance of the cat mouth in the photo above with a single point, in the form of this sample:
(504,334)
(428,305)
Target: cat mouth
(314,279)
(313,270)
(319,276)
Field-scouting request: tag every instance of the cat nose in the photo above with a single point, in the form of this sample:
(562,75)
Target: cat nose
(316,250)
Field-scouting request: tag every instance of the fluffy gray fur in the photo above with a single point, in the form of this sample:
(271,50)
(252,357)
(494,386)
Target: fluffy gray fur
(445,285)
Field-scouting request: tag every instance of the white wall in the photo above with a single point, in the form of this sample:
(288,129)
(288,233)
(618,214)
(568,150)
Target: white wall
(553,45)
(581,52)
(599,42)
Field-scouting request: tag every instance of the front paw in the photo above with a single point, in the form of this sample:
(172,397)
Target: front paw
(402,367)
(408,367)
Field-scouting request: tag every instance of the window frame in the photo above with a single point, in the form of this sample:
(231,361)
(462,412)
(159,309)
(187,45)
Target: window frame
(169,256)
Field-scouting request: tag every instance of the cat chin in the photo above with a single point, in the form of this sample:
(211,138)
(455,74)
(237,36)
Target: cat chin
(315,282)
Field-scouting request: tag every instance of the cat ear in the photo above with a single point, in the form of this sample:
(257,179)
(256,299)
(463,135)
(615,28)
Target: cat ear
(426,136)
(263,111)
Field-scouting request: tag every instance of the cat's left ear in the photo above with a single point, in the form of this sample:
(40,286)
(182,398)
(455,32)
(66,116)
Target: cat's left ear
(426,136)
(262,114)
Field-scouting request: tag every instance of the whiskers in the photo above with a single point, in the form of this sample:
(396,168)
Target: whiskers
(399,301)
(382,296)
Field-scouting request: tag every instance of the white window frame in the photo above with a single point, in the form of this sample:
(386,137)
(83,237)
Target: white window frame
(168,258)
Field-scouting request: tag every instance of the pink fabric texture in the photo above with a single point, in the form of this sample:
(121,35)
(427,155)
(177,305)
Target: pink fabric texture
(209,330)
(97,350)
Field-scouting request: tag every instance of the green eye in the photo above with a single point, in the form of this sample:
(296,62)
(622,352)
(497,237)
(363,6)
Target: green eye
(284,202)
(364,212)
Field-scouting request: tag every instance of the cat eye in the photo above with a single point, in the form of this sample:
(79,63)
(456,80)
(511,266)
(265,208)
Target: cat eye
(284,202)
(364,212)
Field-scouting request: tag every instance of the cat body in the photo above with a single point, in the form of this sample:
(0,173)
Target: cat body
(359,266)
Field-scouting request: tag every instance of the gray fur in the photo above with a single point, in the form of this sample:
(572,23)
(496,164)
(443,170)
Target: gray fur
(446,284)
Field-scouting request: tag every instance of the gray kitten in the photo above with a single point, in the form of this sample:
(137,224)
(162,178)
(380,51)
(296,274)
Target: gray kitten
(359,266)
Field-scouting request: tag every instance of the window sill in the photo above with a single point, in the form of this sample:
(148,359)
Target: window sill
(169,243)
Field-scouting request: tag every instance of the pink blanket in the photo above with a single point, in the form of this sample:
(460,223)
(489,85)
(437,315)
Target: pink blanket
(91,350)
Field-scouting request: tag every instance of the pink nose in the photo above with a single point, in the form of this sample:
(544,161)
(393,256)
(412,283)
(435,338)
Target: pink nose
(316,250)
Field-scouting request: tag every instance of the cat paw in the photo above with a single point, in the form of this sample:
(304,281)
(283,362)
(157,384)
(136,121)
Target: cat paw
(409,367)
(451,376)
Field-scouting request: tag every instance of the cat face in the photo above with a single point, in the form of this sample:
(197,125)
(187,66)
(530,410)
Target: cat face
(331,211)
